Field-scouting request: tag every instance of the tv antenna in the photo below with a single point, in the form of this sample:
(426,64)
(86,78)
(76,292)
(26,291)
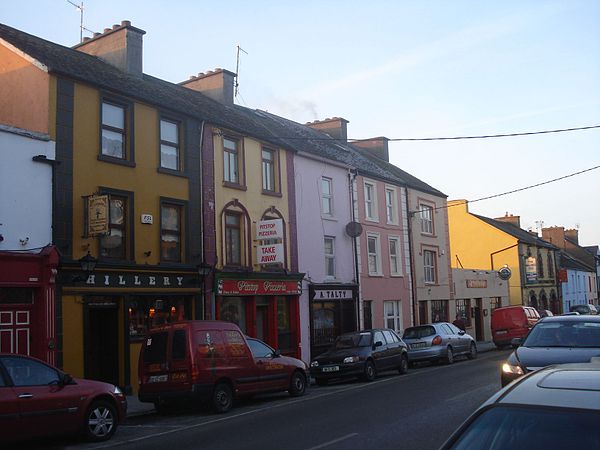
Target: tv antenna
(81,27)
(237,68)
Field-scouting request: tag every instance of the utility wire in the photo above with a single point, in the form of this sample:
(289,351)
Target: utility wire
(516,190)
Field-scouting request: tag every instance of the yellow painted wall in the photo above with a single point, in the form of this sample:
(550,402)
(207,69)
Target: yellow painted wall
(144,180)
(252,198)
(24,92)
(473,241)
(134,355)
(72,309)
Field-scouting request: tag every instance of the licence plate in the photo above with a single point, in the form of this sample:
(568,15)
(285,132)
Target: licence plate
(418,345)
(331,369)
(501,332)
(158,378)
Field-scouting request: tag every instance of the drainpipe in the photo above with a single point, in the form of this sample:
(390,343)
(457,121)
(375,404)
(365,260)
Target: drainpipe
(411,253)
(351,181)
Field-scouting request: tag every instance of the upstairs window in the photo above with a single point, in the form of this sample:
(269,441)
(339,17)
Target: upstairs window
(426,215)
(329,244)
(171,232)
(395,267)
(429,266)
(390,206)
(170,150)
(540,266)
(327,196)
(113,137)
(374,254)
(231,161)
(370,201)
(269,161)
(114,244)
(233,238)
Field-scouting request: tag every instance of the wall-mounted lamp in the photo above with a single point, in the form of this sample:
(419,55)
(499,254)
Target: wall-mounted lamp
(204,269)
(88,263)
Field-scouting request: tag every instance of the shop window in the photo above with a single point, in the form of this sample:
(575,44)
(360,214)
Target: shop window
(171,220)
(439,311)
(233,309)
(495,302)
(145,313)
(463,309)
(324,326)
(114,244)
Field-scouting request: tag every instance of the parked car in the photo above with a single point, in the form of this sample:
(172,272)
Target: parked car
(361,354)
(512,322)
(584,309)
(38,400)
(545,313)
(554,408)
(203,360)
(554,340)
(440,341)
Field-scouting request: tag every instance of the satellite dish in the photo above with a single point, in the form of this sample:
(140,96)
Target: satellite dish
(354,229)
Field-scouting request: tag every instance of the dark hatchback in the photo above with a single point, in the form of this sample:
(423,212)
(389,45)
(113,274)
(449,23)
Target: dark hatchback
(554,340)
(361,354)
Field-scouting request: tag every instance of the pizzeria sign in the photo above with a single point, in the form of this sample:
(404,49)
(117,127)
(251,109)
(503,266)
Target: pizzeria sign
(259,287)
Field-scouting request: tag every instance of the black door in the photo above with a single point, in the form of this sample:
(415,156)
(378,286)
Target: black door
(478,321)
(102,343)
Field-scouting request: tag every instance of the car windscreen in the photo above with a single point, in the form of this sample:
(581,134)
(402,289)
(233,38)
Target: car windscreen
(418,332)
(564,334)
(513,427)
(353,340)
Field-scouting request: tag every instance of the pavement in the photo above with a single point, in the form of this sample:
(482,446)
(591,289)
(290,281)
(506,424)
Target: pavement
(136,408)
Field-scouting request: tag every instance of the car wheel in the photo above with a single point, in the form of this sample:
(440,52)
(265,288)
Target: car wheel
(370,373)
(473,352)
(321,381)
(222,398)
(100,421)
(449,356)
(297,384)
(403,365)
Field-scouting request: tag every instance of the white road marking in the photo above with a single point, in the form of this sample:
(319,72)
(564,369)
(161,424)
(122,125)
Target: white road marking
(335,441)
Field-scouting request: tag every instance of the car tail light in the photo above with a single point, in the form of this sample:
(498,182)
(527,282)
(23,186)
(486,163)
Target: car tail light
(195,373)
(437,341)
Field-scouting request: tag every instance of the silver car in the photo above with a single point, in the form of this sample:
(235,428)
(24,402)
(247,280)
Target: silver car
(440,341)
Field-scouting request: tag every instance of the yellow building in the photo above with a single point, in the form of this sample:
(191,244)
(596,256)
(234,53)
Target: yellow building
(478,242)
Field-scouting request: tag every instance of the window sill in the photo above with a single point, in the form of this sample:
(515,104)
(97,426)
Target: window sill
(113,160)
(430,235)
(397,275)
(328,217)
(372,219)
(377,275)
(240,187)
(272,193)
(176,173)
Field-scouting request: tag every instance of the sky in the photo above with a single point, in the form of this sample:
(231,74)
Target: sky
(399,69)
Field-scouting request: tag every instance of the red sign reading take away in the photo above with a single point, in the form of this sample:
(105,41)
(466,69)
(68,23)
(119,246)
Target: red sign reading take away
(259,287)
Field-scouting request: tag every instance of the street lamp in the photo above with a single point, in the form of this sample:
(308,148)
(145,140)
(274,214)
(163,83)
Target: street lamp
(204,270)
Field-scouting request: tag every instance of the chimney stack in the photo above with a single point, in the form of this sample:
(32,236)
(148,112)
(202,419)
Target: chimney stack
(120,46)
(216,84)
(377,145)
(572,235)
(554,235)
(336,127)
(509,218)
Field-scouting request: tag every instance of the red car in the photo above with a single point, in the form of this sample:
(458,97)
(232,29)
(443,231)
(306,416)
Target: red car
(38,400)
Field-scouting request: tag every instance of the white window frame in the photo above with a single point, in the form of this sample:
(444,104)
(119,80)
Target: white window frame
(427,226)
(329,257)
(371,201)
(397,256)
(375,256)
(391,205)
(429,269)
(327,197)
(395,308)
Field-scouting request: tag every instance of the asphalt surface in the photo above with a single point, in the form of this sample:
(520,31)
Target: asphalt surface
(415,411)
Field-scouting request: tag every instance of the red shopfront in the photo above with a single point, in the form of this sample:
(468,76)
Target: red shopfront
(27,303)
(265,308)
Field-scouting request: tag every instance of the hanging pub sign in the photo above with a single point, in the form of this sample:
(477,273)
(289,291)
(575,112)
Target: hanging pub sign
(531,270)
(97,215)
(269,229)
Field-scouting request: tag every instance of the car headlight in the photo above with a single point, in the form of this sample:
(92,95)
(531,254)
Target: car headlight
(351,359)
(512,370)
(314,364)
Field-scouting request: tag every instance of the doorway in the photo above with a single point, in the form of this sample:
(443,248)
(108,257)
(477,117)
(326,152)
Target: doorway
(478,320)
(102,341)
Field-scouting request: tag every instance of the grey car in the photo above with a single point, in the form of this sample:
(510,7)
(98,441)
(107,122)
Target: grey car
(440,341)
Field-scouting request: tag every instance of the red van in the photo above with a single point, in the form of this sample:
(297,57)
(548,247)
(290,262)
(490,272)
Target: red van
(512,322)
(214,361)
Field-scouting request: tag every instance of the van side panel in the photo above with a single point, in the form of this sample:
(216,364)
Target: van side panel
(512,322)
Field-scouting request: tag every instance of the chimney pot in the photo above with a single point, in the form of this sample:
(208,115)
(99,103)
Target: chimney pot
(106,30)
(115,26)
(125,23)
(97,34)
(85,39)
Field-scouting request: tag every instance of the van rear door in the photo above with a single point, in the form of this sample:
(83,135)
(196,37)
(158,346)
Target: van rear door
(154,364)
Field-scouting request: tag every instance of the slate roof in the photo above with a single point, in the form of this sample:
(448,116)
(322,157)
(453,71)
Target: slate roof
(80,66)
(517,232)
(276,130)
(567,261)
(303,138)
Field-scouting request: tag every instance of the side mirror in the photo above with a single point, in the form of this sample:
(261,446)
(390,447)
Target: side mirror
(65,379)
(516,342)
(378,344)
(277,353)
(462,332)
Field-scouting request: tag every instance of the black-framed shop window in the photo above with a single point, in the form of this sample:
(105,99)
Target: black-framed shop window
(144,313)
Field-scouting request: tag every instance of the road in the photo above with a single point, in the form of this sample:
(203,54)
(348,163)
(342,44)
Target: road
(415,411)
